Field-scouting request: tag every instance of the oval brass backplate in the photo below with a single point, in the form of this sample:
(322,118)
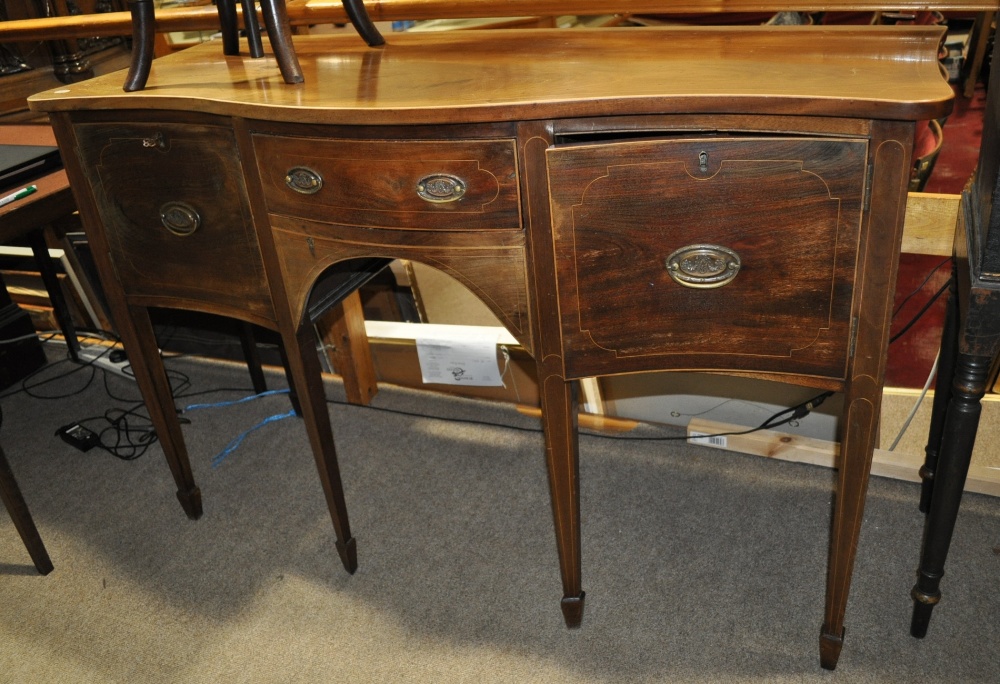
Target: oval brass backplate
(440,187)
(304,180)
(703,266)
(179,218)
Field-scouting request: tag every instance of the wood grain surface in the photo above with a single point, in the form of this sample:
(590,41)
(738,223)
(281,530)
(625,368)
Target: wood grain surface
(513,75)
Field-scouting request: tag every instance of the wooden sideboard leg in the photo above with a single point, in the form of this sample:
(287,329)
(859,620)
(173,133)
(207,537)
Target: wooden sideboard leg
(280,35)
(10,493)
(342,330)
(942,397)
(147,366)
(304,368)
(561,453)
(293,390)
(958,440)
(857,444)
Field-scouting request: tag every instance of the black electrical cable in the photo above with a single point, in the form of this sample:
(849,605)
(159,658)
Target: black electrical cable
(920,287)
(920,313)
(793,413)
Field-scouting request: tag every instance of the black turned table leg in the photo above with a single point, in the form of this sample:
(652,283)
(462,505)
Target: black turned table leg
(143,29)
(942,396)
(958,439)
(252,27)
(280,35)
(362,23)
(18,509)
(229,25)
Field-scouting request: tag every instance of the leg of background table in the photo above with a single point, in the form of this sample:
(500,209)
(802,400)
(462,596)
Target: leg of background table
(18,509)
(561,452)
(48,272)
(942,396)
(958,440)
(147,366)
(304,368)
(280,35)
(248,343)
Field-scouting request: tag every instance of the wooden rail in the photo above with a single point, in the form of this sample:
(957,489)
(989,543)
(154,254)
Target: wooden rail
(306,12)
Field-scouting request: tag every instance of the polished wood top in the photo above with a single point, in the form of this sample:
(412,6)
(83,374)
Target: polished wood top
(476,76)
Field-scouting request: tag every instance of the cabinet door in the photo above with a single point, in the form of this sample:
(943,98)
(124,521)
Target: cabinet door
(707,253)
(174,208)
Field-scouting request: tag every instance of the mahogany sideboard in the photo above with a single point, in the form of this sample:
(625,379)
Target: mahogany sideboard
(718,199)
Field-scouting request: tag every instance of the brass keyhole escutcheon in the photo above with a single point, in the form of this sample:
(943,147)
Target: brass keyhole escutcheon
(703,266)
(180,218)
(304,180)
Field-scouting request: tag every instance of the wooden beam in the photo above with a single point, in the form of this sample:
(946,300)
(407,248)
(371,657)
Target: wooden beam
(786,447)
(929,226)
(307,12)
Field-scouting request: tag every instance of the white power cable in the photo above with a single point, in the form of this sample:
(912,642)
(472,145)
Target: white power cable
(913,412)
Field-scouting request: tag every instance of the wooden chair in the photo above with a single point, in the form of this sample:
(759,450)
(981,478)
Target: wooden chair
(278,30)
(18,509)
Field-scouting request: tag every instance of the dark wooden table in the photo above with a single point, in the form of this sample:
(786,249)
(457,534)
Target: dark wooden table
(970,347)
(28,217)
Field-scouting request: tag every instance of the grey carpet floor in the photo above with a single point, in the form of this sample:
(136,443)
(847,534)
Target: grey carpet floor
(699,565)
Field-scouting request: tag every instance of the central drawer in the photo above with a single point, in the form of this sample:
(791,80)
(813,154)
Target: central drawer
(409,184)
(707,253)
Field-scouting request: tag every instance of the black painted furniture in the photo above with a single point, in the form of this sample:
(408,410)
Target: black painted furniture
(970,347)
(278,31)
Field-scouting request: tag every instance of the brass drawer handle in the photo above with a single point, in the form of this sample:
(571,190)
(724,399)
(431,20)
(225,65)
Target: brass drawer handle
(304,180)
(179,218)
(703,266)
(440,188)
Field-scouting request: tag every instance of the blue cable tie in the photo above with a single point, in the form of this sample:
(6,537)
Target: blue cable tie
(233,445)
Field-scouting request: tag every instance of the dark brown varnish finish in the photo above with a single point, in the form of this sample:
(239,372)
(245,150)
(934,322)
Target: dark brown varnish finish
(554,173)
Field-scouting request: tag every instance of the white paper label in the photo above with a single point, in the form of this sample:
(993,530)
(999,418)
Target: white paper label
(470,360)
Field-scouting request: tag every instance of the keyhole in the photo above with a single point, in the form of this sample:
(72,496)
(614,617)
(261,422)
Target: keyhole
(703,162)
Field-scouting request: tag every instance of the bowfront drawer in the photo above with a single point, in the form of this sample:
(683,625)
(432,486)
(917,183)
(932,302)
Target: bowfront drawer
(173,207)
(439,185)
(714,253)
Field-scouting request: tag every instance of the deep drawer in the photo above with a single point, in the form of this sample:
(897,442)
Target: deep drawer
(438,185)
(172,203)
(714,253)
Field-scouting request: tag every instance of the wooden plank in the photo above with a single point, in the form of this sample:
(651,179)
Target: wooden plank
(308,12)
(929,227)
(785,447)
(342,330)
